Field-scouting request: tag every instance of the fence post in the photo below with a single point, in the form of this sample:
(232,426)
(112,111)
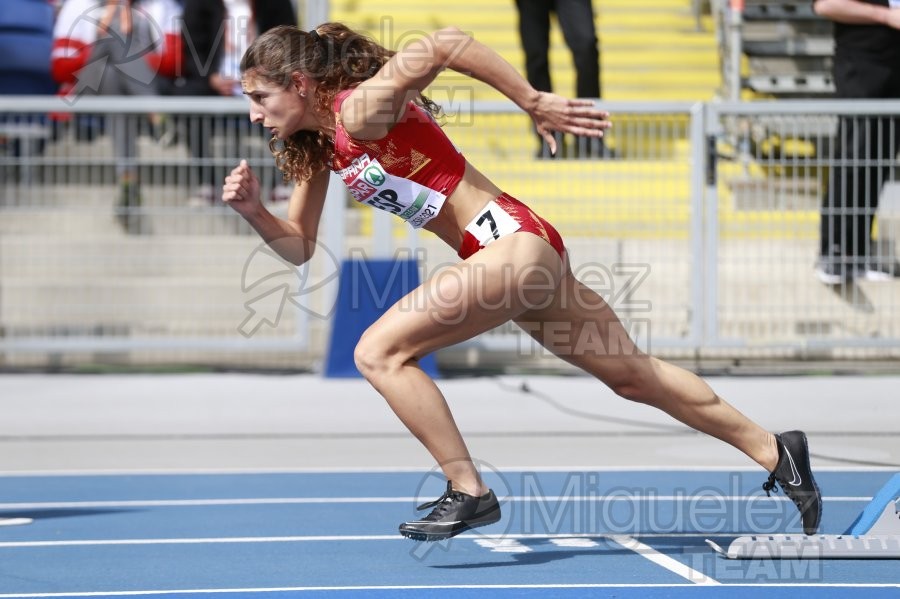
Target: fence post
(698,188)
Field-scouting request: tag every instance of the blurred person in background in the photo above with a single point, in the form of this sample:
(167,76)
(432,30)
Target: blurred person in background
(866,65)
(215,35)
(116,48)
(576,20)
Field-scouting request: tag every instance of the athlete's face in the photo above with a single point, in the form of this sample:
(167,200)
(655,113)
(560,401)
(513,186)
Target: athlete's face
(283,110)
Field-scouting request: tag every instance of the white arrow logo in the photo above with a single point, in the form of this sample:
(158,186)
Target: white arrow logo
(274,283)
(115,49)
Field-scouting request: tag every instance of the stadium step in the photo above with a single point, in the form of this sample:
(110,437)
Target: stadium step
(651,50)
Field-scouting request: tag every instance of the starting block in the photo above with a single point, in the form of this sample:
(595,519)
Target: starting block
(874,535)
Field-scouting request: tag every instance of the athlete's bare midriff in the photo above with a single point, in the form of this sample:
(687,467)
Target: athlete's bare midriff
(472,194)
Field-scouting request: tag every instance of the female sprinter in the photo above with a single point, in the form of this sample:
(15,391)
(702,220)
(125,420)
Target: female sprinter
(337,101)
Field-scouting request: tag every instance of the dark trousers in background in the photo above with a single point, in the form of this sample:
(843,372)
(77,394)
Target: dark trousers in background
(864,155)
(576,20)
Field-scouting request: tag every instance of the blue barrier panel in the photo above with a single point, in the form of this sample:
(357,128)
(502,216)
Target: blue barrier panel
(26,37)
(367,288)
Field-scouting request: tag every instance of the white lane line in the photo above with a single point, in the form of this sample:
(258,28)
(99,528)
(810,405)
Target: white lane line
(664,560)
(199,541)
(345,588)
(336,538)
(435,587)
(512,469)
(575,543)
(15,521)
(503,545)
(49,505)
(325,500)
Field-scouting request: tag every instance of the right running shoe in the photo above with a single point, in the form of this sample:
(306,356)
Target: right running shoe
(794,476)
(453,513)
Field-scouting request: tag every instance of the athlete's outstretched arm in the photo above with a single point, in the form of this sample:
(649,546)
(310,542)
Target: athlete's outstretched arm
(376,104)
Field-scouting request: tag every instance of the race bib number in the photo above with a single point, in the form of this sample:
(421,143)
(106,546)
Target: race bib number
(491,224)
(369,183)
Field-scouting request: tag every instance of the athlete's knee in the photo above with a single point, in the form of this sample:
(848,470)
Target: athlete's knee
(366,355)
(374,356)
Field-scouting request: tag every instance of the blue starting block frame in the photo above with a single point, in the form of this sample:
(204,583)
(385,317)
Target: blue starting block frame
(366,289)
(875,534)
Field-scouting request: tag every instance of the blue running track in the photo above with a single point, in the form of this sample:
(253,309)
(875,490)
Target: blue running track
(609,533)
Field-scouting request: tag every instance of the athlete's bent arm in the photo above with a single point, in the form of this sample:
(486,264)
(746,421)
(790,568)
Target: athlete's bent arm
(294,238)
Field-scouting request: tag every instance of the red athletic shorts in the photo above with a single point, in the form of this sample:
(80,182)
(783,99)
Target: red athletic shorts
(503,216)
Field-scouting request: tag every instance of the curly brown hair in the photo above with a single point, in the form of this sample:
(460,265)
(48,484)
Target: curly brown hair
(337,58)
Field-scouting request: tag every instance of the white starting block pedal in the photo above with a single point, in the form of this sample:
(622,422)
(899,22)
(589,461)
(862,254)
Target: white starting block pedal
(874,535)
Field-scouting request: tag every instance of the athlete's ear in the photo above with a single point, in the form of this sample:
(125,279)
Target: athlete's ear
(299,83)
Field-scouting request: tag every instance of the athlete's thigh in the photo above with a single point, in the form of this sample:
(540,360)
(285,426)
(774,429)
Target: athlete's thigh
(513,274)
(580,327)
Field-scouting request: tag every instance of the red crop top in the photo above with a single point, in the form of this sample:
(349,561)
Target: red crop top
(409,172)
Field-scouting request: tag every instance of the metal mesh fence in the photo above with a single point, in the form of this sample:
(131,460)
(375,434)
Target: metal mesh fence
(803,231)
(700,224)
(114,246)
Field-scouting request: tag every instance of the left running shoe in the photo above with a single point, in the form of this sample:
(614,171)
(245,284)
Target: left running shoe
(453,513)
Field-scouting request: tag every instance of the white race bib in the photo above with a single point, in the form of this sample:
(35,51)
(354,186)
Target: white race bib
(491,224)
(369,183)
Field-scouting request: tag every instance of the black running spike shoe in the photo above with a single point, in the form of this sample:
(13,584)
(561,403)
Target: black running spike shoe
(453,513)
(795,478)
